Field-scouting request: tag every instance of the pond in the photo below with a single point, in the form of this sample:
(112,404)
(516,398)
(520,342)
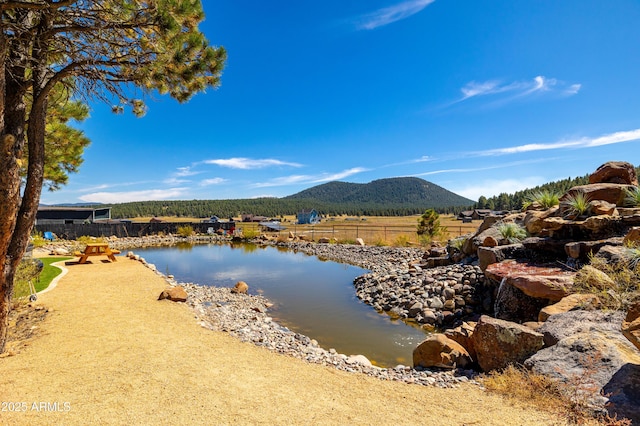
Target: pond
(311,296)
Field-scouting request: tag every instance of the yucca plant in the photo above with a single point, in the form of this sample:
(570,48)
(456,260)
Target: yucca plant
(576,204)
(632,198)
(512,232)
(545,198)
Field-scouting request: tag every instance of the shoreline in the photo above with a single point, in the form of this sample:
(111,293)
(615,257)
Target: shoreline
(246,318)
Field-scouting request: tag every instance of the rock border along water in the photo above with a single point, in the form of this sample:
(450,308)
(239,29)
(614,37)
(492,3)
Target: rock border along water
(246,316)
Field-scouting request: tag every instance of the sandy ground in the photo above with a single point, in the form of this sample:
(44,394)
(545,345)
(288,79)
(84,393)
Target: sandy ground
(110,353)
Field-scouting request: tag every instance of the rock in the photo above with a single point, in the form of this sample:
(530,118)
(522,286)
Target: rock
(631,325)
(559,326)
(511,304)
(614,193)
(599,207)
(359,359)
(360,242)
(594,278)
(570,303)
(60,251)
(324,240)
(240,287)
(489,241)
(538,281)
(632,237)
(499,343)
(439,351)
(615,172)
(595,359)
(545,247)
(175,294)
(535,220)
(584,249)
(462,334)
(489,255)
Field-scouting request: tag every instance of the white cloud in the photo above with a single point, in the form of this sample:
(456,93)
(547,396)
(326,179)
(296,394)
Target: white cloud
(213,181)
(124,197)
(612,138)
(493,187)
(388,15)
(573,89)
(297,179)
(185,171)
(516,89)
(249,163)
(340,175)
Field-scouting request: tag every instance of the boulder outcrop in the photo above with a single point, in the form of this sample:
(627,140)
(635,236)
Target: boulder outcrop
(499,343)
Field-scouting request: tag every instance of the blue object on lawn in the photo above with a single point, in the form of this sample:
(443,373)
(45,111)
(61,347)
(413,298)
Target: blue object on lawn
(48,236)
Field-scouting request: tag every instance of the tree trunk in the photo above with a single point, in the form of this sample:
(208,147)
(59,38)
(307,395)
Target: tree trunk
(12,139)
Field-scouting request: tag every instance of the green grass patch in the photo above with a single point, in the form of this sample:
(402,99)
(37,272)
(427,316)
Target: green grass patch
(49,272)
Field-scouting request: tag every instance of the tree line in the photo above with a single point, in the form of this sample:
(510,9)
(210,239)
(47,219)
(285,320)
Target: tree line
(269,207)
(516,200)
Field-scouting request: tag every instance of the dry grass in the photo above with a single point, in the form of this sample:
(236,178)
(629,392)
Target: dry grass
(568,400)
(620,292)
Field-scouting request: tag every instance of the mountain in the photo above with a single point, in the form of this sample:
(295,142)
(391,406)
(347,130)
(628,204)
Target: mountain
(390,191)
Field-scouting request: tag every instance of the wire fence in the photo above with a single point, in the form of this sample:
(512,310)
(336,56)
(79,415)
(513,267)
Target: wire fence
(370,234)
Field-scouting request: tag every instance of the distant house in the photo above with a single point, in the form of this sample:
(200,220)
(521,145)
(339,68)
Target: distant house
(71,215)
(308,217)
(478,214)
(252,218)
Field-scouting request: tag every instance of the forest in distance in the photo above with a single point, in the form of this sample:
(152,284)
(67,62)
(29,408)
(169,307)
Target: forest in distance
(276,207)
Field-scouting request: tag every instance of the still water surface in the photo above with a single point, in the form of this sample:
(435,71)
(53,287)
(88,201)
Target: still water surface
(312,297)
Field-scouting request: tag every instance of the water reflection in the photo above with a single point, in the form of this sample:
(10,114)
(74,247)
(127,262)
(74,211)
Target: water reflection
(310,297)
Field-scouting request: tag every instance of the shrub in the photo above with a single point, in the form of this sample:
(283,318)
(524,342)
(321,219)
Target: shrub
(457,243)
(545,198)
(632,198)
(625,277)
(577,204)
(512,232)
(86,239)
(250,233)
(429,225)
(401,241)
(185,231)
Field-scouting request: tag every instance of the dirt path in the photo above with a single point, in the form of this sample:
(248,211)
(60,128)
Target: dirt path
(110,353)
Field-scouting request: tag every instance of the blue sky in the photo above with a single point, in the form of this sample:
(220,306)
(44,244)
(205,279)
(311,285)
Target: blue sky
(479,97)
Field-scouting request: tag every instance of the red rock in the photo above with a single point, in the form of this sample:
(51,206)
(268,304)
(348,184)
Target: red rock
(614,193)
(539,281)
(615,172)
(500,343)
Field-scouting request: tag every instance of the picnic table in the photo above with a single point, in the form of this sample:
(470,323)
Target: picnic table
(97,249)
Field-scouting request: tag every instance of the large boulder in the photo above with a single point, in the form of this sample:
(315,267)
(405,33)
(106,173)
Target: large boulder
(615,172)
(538,281)
(592,355)
(631,325)
(614,193)
(437,350)
(559,326)
(499,343)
